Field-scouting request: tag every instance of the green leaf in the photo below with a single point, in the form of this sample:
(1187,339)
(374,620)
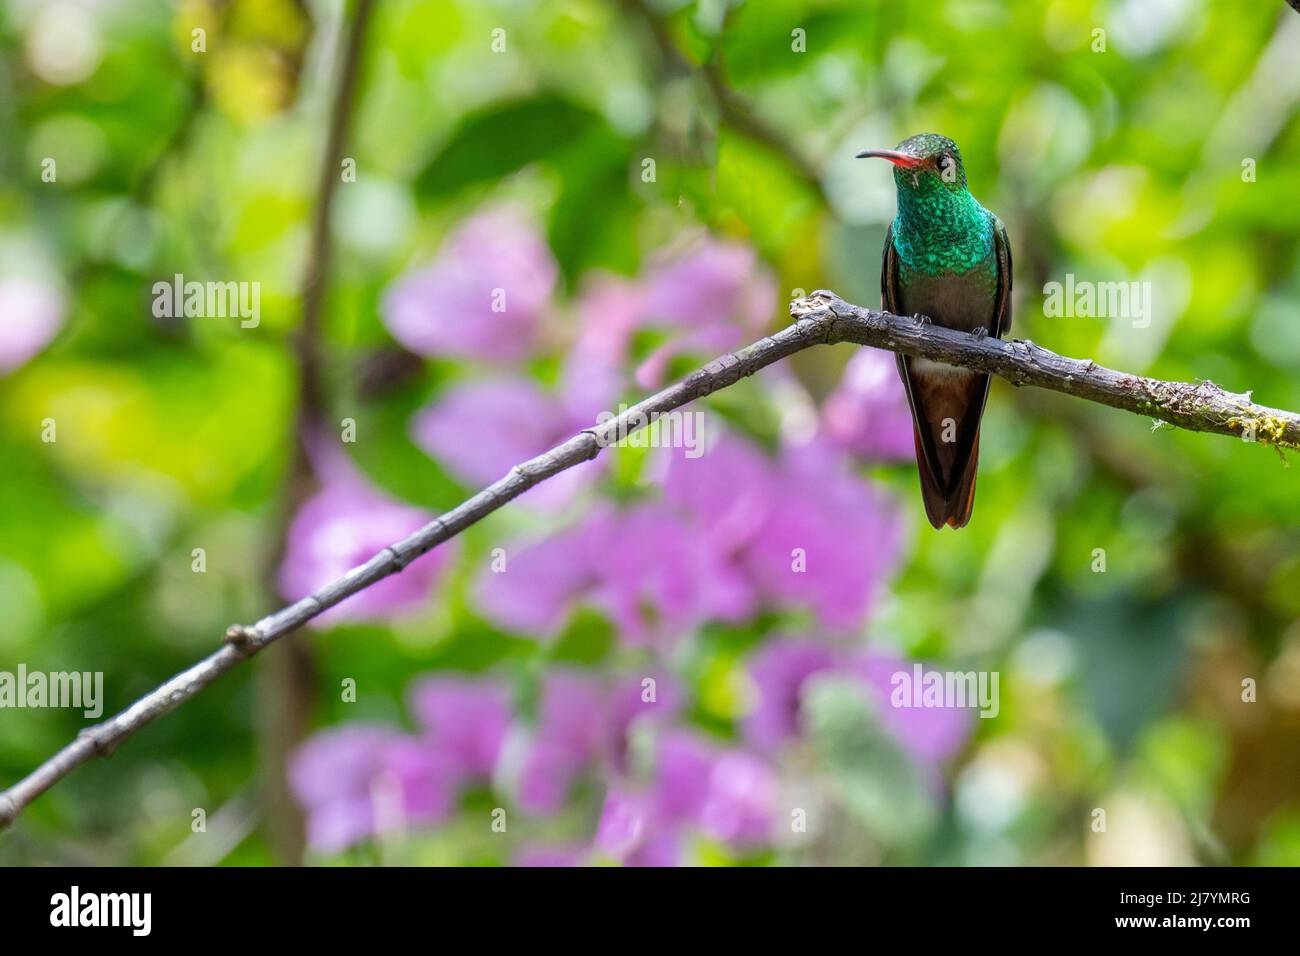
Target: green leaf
(590,221)
(587,639)
(492,143)
(1133,657)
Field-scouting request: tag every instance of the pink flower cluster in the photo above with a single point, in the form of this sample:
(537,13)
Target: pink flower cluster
(358,781)
(735,531)
(723,536)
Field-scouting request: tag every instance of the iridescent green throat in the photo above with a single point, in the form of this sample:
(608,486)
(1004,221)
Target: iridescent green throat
(940,227)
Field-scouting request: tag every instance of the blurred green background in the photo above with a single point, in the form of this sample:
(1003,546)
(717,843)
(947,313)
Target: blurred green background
(1122,689)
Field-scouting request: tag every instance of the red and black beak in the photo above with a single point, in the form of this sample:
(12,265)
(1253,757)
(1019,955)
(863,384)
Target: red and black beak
(901,160)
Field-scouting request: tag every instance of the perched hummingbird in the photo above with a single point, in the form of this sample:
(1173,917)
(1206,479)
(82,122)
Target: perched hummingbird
(946,258)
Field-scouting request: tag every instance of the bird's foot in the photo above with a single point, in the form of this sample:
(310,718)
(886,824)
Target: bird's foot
(979,332)
(921,319)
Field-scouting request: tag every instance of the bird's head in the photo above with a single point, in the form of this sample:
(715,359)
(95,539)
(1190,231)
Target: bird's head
(924,162)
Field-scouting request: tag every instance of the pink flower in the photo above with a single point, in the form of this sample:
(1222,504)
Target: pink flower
(726,278)
(340,762)
(467,718)
(643,567)
(696,787)
(867,414)
(31,313)
(572,731)
(481,429)
(610,310)
(736,530)
(657,582)
(584,722)
(484,295)
(550,857)
(542,580)
(359,780)
(829,545)
(740,807)
(651,699)
(625,823)
(727,492)
(710,294)
(683,769)
(930,735)
(780,669)
(801,529)
(718,292)
(345,524)
(427,779)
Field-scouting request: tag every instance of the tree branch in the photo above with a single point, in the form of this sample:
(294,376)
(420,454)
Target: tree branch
(820,319)
(287,686)
(1199,407)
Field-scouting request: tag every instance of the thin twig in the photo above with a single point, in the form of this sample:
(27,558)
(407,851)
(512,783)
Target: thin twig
(319,250)
(734,111)
(820,319)
(287,683)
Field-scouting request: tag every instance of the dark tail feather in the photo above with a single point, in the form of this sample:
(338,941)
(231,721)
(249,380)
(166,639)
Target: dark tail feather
(941,508)
(962,502)
(936,502)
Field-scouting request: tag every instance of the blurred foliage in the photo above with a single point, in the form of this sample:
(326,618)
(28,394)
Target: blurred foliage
(1123,688)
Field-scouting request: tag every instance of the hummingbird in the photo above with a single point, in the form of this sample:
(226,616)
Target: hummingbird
(946,259)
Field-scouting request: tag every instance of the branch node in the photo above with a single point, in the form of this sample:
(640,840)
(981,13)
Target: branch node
(241,638)
(813,302)
(102,747)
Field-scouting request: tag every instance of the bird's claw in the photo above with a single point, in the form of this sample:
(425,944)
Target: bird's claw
(921,319)
(979,332)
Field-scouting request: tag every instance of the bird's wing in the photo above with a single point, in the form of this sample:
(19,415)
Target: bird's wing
(963,499)
(932,495)
(1002,315)
(889,274)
